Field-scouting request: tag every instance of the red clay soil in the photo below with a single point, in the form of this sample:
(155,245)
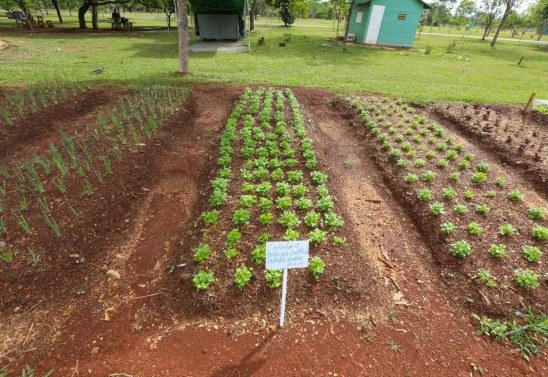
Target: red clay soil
(87,321)
(516,140)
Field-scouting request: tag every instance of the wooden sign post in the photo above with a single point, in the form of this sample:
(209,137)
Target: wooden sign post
(283,256)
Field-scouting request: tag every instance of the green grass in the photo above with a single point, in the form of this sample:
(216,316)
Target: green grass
(475,72)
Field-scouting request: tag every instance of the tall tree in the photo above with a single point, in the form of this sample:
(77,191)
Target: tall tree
(465,10)
(539,15)
(55,4)
(24,6)
(182,29)
(289,9)
(347,28)
(508,6)
(491,9)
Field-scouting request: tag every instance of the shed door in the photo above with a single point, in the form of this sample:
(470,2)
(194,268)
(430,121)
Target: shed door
(375,21)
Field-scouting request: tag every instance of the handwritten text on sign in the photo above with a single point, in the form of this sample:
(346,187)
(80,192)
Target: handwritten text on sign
(282,255)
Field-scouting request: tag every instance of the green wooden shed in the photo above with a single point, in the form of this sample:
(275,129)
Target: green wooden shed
(386,22)
(219,19)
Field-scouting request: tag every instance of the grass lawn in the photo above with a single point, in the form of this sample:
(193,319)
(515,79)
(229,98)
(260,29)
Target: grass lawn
(475,72)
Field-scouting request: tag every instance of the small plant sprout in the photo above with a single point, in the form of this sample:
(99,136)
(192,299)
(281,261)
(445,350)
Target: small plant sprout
(233,237)
(339,241)
(507,230)
(454,176)
(540,233)
(491,194)
(483,167)
(411,178)
(469,195)
(464,164)
(420,163)
(515,195)
(498,251)
(442,163)
(536,213)
(291,235)
(395,347)
(424,195)
(484,277)
(474,228)
(316,267)
(242,276)
(526,278)
(428,176)
(461,249)
(402,163)
(436,209)
(531,253)
(484,209)
(500,181)
(202,280)
(449,193)
(273,278)
(447,227)
(231,253)
(32,257)
(479,177)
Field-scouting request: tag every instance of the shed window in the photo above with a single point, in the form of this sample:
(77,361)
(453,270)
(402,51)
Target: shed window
(359,17)
(402,16)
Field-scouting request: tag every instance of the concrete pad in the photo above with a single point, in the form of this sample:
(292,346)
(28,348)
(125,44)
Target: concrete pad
(204,46)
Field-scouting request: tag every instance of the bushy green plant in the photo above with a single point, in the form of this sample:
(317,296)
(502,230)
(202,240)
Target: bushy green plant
(283,188)
(449,193)
(411,178)
(316,267)
(317,236)
(531,253)
(202,253)
(333,221)
(498,251)
(312,219)
(266,218)
(491,194)
(247,201)
(500,181)
(540,233)
(474,228)
(424,195)
(258,255)
(536,213)
(402,163)
(233,237)
(479,177)
(515,196)
(241,217)
(303,204)
(265,204)
(483,167)
(469,194)
(242,276)
(291,235)
(507,230)
(460,209)
(442,163)
(325,204)
(284,203)
(447,227)
(484,277)
(428,176)
(338,241)
(202,280)
(231,253)
(436,209)
(273,278)
(461,249)
(289,219)
(484,209)
(420,163)
(299,190)
(526,278)
(211,217)
(263,189)
(454,176)
(464,164)
(294,176)
(318,177)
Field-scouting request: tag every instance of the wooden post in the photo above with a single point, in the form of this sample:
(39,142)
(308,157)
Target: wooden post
(529,103)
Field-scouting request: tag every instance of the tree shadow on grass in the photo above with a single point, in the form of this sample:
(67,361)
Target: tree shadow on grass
(250,364)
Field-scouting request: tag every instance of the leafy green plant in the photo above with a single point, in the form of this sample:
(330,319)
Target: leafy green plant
(317,236)
(515,196)
(202,280)
(498,251)
(464,164)
(284,203)
(316,267)
(536,213)
(507,230)
(291,235)
(442,163)
(411,178)
(303,204)
(6,256)
(491,194)
(266,218)
(283,188)
(424,195)
(318,177)
(338,241)
(241,217)
(449,193)
(231,253)
(258,255)
(447,227)
(242,276)
(461,249)
(273,278)
(474,228)
(500,181)
(333,221)
(460,209)
(483,167)
(265,204)
(428,176)
(540,233)
(299,190)
(294,176)
(526,278)
(202,253)
(484,209)
(325,204)
(484,277)
(436,209)
(211,217)
(469,194)
(420,163)
(531,253)
(312,219)
(247,201)
(479,177)
(454,176)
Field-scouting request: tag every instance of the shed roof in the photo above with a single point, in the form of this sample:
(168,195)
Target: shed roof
(426,5)
(217,6)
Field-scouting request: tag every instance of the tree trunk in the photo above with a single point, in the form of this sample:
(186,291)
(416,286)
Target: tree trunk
(82,15)
(487,28)
(182,29)
(541,31)
(504,17)
(347,28)
(94,17)
(56,6)
(251,13)
(169,21)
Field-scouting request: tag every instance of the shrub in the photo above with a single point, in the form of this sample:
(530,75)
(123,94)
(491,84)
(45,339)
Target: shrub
(242,276)
(540,233)
(424,195)
(526,278)
(507,230)
(202,280)
(498,251)
(460,209)
(273,278)
(316,267)
(447,227)
(474,228)
(436,209)
(461,249)
(515,196)
(531,253)
(202,253)
(536,213)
